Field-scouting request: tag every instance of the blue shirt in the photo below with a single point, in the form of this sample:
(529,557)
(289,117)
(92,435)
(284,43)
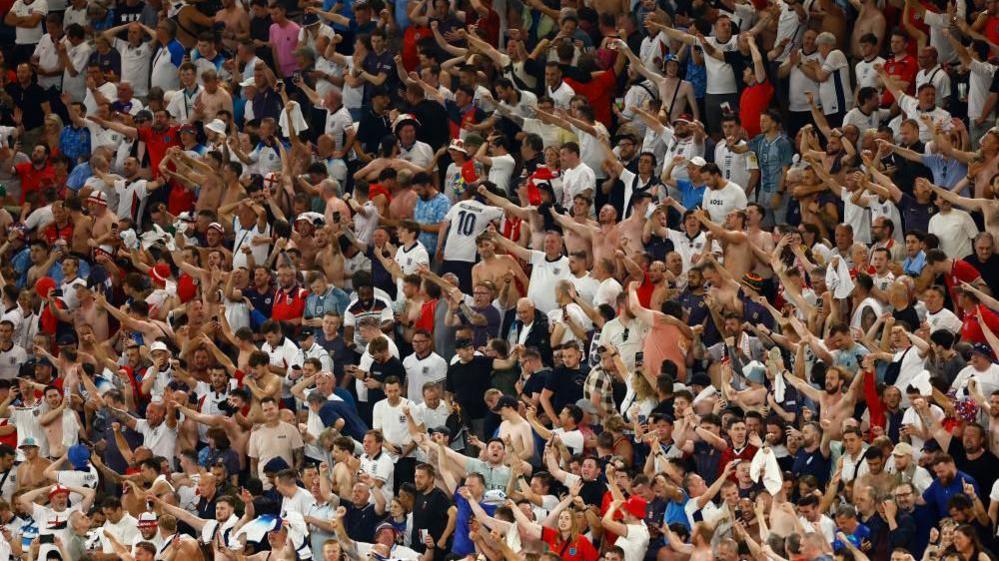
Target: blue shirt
(431,212)
(691,196)
(947,172)
(74,143)
(335,299)
(860,534)
(937,495)
(80,174)
(773,156)
(462,544)
(913,266)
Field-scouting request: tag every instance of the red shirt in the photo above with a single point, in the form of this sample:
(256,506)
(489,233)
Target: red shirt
(157,143)
(412,36)
(181,199)
(289,304)
(752,103)
(427,311)
(730,453)
(34,179)
(581,549)
(960,271)
(991,30)
(600,92)
(489,26)
(905,69)
(54,232)
(971,330)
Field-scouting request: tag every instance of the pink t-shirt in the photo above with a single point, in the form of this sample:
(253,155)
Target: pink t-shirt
(285,41)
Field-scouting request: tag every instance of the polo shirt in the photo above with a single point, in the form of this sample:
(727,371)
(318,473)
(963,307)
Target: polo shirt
(157,143)
(289,304)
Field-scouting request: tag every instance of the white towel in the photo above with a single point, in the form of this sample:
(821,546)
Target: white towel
(838,280)
(706,393)
(922,383)
(765,462)
(780,386)
(296,118)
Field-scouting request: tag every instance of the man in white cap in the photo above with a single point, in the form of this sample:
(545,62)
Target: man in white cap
(903,463)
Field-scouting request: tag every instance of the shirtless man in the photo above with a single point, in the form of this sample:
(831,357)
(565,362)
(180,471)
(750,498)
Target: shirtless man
(82,227)
(870,20)
(31,472)
(578,229)
(403,199)
(58,419)
(759,238)
(603,237)
(195,172)
(738,258)
(494,267)
(237,23)
(261,382)
(514,428)
(150,328)
(835,406)
(632,228)
(104,223)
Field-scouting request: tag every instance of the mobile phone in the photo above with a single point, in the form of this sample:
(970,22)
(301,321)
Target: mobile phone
(46,538)
(336,216)
(639,358)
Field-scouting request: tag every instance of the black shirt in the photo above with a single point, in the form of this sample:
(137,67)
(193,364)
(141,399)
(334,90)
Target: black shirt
(30,100)
(371,130)
(985,469)
(382,370)
(469,382)
(566,385)
(360,522)
(915,216)
(989,270)
(429,511)
(433,123)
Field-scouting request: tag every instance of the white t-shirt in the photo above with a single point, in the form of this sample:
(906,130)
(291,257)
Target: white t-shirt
(736,168)
(545,275)
(11,361)
(720,76)
(48,60)
(910,107)
(858,217)
(381,469)
(835,93)
(944,319)
(979,82)
(52,523)
(864,122)
(586,286)
(911,365)
(301,502)
(501,170)
(635,543)
(578,317)
(126,532)
(867,76)
(131,197)
(29,35)
(719,202)
(432,368)
(576,181)
(161,440)
(573,439)
(910,417)
(799,83)
(76,86)
(956,230)
(687,247)
(467,219)
(135,65)
(26,421)
(940,80)
(392,422)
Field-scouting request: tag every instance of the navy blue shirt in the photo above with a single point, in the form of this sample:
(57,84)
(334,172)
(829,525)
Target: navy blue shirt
(812,463)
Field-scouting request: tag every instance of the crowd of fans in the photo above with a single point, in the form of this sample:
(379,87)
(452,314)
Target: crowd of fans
(502,280)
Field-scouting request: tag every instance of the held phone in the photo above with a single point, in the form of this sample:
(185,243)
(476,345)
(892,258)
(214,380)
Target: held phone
(639,358)
(46,538)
